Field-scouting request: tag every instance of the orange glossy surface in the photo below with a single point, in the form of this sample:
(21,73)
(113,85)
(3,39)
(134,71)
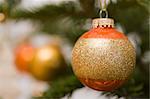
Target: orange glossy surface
(23,56)
(102,85)
(101,32)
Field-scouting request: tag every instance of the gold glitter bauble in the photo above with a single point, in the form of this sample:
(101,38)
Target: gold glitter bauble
(103,58)
(47,63)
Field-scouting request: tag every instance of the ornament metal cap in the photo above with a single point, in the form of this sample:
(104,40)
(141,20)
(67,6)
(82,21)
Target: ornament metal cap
(103,22)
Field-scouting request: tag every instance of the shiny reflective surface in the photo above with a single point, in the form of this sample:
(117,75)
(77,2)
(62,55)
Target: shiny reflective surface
(102,85)
(23,56)
(47,62)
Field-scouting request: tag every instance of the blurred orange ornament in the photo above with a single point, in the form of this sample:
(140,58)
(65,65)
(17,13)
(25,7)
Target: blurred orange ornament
(47,62)
(23,56)
(103,58)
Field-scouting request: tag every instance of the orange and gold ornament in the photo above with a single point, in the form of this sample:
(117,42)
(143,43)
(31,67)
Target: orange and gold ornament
(103,58)
(43,61)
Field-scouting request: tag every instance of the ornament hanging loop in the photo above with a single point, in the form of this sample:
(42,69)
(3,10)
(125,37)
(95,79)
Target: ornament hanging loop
(103,12)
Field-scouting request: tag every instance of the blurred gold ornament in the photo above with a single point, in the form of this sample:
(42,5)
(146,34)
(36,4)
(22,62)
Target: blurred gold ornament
(47,62)
(2,17)
(103,58)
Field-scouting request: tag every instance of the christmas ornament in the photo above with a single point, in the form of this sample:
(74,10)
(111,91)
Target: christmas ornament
(103,58)
(23,57)
(47,63)
(2,17)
